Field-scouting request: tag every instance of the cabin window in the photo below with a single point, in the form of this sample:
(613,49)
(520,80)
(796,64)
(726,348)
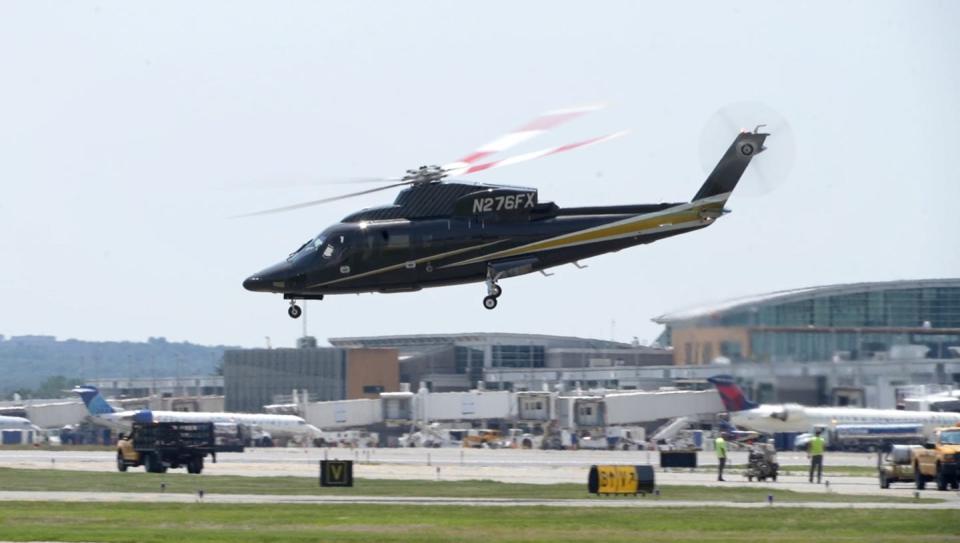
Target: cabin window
(398,241)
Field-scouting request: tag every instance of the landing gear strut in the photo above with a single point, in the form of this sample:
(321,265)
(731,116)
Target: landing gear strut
(493,290)
(294,311)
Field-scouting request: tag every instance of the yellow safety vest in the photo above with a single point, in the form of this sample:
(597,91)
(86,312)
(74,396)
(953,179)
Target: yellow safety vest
(816,446)
(721,446)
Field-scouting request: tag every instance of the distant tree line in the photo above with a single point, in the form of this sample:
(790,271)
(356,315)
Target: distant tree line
(35,363)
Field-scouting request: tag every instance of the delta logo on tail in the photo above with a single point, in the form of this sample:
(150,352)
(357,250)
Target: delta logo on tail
(731,394)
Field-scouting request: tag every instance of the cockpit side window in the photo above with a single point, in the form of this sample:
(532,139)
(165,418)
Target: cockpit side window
(318,241)
(334,247)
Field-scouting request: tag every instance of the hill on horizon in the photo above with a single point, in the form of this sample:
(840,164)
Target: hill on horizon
(28,361)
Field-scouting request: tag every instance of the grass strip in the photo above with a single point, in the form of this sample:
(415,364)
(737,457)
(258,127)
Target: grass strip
(145,522)
(64,480)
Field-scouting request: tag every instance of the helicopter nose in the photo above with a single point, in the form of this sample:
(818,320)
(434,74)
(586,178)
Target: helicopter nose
(254,283)
(273,279)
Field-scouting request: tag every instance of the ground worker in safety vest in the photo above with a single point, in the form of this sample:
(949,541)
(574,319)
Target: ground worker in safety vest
(720,445)
(815,453)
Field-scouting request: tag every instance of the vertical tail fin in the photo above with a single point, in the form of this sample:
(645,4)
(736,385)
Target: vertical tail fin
(95,403)
(724,177)
(730,393)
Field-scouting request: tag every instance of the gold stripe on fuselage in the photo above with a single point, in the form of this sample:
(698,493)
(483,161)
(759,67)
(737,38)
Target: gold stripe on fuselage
(403,264)
(681,217)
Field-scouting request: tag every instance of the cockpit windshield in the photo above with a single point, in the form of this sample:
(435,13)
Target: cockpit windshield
(331,247)
(309,247)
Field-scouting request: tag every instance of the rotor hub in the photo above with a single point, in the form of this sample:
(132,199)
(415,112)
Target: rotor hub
(425,175)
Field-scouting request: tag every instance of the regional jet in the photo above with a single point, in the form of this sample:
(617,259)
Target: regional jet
(774,418)
(20,423)
(283,426)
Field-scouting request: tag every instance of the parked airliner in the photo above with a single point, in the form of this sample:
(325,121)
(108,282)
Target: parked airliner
(283,426)
(774,418)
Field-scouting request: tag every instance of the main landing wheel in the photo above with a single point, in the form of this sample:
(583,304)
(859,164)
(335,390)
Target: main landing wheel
(294,311)
(497,291)
(490,302)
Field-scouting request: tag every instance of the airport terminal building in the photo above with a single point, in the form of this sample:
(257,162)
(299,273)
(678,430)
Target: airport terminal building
(457,362)
(855,344)
(254,378)
(861,321)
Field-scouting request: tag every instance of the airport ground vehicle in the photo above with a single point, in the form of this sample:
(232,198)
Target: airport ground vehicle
(762,463)
(348,438)
(938,460)
(231,436)
(896,466)
(161,445)
(516,438)
(433,436)
(482,438)
(865,437)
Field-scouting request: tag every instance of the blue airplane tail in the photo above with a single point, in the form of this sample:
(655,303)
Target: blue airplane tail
(95,403)
(731,394)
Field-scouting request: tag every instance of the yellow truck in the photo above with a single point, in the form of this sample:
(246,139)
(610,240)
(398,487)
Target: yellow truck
(158,446)
(477,439)
(938,460)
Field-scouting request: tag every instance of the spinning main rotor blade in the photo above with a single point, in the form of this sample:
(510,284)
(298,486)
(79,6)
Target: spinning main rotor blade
(321,201)
(471,163)
(545,122)
(465,169)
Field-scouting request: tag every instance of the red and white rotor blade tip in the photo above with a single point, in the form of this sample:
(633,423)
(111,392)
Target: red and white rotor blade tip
(545,122)
(465,169)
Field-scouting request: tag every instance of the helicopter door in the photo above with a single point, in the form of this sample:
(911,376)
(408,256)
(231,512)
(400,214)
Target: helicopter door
(396,250)
(423,245)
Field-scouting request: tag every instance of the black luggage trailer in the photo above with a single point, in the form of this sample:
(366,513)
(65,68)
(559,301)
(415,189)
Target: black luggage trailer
(162,445)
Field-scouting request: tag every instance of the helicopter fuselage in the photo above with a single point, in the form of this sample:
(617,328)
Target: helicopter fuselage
(438,233)
(406,255)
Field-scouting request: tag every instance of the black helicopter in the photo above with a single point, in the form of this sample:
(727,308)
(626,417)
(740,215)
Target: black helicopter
(439,233)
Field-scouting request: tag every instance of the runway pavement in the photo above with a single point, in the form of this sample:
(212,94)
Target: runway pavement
(289,457)
(505,465)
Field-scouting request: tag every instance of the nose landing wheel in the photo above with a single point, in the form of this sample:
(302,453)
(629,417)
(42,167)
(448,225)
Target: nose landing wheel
(493,292)
(294,310)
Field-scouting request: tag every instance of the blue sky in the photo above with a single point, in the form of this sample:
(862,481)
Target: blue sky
(130,132)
